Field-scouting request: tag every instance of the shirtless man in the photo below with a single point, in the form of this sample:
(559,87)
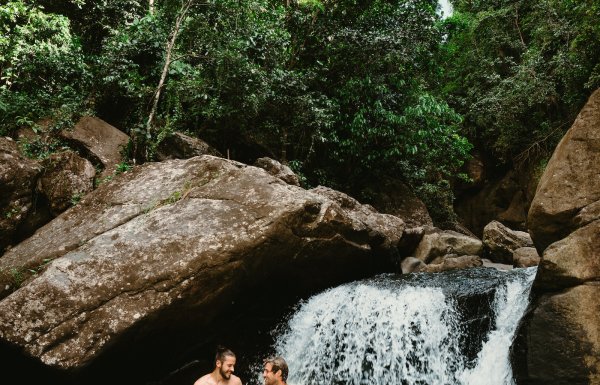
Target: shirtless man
(223,372)
(276,371)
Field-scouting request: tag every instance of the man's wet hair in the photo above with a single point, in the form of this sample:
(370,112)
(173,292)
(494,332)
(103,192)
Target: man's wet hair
(278,363)
(223,352)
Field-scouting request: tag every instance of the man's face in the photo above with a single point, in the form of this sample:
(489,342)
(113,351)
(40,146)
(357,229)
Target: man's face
(226,367)
(269,377)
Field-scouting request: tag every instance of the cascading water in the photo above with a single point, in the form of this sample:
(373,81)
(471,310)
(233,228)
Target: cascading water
(451,328)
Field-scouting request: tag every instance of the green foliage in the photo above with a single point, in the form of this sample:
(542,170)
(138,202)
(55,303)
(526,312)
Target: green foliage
(234,55)
(375,69)
(128,70)
(520,71)
(18,275)
(122,167)
(42,71)
(346,92)
(8,214)
(439,199)
(38,148)
(76,198)
(93,21)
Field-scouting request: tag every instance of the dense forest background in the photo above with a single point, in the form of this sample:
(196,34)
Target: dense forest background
(346,92)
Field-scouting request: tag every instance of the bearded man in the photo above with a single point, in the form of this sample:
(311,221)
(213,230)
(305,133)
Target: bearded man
(223,372)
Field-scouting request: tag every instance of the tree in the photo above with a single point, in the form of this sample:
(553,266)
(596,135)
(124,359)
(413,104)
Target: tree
(520,71)
(170,46)
(42,68)
(343,90)
(375,63)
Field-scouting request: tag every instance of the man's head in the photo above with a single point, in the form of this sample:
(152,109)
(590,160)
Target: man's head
(275,371)
(225,362)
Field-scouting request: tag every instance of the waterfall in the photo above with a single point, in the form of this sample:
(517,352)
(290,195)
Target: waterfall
(509,305)
(451,328)
(445,8)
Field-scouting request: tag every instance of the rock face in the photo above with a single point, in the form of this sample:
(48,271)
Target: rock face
(568,195)
(100,140)
(440,250)
(33,192)
(564,343)
(67,177)
(505,199)
(18,176)
(438,243)
(572,260)
(169,246)
(559,341)
(396,198)
(525,257)
(181,146)
(445,263)
(278,170)
(499,242)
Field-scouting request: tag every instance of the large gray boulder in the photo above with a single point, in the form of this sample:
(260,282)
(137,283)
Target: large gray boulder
(568,194)
(67,177)
(559,341)
(440,250)
(278,170)
(438,243)
(167,246)
(18,176)
(181,146)
(572,260)
(499,242)
(525,257)
(101,142)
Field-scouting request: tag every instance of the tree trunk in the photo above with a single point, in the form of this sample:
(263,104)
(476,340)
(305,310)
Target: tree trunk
(284,140)
(185,6)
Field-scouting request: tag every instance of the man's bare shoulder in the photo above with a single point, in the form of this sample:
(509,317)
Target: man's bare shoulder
(205,380)
(234,380)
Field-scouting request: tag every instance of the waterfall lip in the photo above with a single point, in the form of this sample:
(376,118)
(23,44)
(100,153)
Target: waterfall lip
(459,283)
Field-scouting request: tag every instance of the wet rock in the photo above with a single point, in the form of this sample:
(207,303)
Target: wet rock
(451,262)
(562,341)
(411,265)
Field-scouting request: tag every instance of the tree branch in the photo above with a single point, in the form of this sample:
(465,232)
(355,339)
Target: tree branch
(185,6)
